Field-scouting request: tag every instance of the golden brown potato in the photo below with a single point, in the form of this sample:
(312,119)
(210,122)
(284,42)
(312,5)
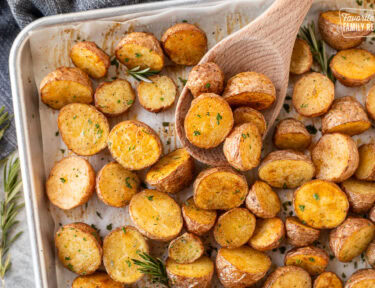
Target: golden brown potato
(219,188)
(79,248)
(87,56)
(291,134)
(156,215)
(320,204)
(185,249)
(363,278)
(250,89)
(353,67)
(346,116)
(194,275)
(208,121)
(184,43)
(115,185)
(119,248)
(234,228)
(172,173)
(114,98)
(243,146)
(299,234)
(263,201)
(313,94)
(205,78)
(351,238)
(370,254)
(285,277)
(361,194)
(286,169)
(370,102)
(83,129)
(134,145)
(158,95)
(335,157)
(371,214)
(314,260)
(327,280)
(70,183)
(197,221)
(96,280)
(140,49)
(66,85)
(366,167)
(247,114)
(302,59)
(268,234)
(241,267)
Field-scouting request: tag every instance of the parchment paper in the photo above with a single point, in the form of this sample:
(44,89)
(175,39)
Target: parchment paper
(50,50)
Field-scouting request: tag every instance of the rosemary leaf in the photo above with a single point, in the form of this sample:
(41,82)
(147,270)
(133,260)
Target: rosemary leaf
(142,75)
(4,121)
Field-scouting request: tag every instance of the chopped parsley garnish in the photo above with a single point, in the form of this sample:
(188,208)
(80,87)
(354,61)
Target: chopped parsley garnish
(138,55)
(109,227)
(165,124)
(196,133)
(311,129)
(304,105)
(183,81)
(208,85)
(286,108)
(285,186)
(302,207)
(57,133)
(127,183)
(124,230)
(99,215)
(63,180)
(115,62)
(150,198)
(130,102)
(316,196)
(218,118)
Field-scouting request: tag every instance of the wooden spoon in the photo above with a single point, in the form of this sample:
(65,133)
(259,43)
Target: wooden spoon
(265,45)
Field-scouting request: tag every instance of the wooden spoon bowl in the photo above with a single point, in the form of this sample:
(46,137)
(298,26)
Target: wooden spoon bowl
(265,45)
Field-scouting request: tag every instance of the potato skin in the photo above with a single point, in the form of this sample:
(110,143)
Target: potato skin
(371,214)
(270,242)
(290,128)
(301,62)
(360,277)
(98,279)
(370,254)
(327,280)
(370,102)
(282,271)
(247,114)
(298,234)
(359,202)
(186,238)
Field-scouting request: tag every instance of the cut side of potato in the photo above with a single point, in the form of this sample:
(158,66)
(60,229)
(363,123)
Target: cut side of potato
(286,169)
(195,275)
(320,204)
(363,278)
(370,254)
(243,146)
(119,248)
(241,267)
(361,194)
(247,114)
(353,67)
(351,238)
(313,94)
(115,97)
(71,182)
(134,145)
(250,89)
(302,59)
(83,129)
(79,248)
(115,185)
(300,234)
(87,56)
(96,280)
(156,215)
(328,280)
(284,277)
(197,221)
(371,214)
(140,49)
(186,249)
(172,173)
(335,157)
(208,121)
(219,188)
(234,228)
(366,167)
(184,43)
(291,134)
(158,95)
(66,85)
(268,234)
(370,102)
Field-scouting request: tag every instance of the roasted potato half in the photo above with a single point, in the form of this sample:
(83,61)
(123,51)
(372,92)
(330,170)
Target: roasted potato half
(173,172)
(66,85)
(251,89)
(363,278)
(361,194)
(284,277)
(328,280)
(219,188)
(185,249)
(205,78)
(208,121)
(299,234)
(241,267)
(335,157)
(140,49)
(96,280)
(234,228)
(197,221)
(320,204)
(286,169)
(313,94)
(353,67)
(370,254)
(134,145)
(370,102)
(366,167)
(156,215)
(83,129)
(247,114)
(87,56)
(371,214)
(184,43)
(302,59)
(79,248)
(291,134)
(268,234)
(119,248)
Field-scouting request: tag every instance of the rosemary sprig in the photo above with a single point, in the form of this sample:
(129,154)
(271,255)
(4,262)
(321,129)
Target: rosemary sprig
(153,267)
(318,49)
(142,75)
(4,121)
